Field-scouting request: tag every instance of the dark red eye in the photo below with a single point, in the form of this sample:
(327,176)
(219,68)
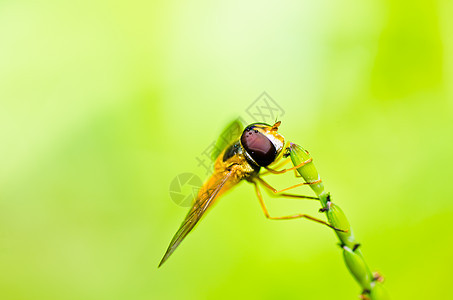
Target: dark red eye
(258,146)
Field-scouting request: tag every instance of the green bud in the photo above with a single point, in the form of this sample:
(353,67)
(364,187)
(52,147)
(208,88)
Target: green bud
(307,171)
(357,267)
(338,219)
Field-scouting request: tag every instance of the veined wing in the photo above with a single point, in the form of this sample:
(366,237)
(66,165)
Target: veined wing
(210,190)
(230,134)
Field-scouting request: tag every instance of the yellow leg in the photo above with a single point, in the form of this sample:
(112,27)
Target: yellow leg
(290,169)
(266,212)
(294,196)
(280,164)
(276,194)
(267,185)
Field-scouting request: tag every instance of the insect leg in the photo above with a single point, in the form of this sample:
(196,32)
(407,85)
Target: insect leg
(297,216)
(279,165)
(294,196)
(290,169)
(267,185)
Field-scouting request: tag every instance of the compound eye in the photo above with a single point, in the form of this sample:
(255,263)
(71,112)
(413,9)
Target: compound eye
(258,146)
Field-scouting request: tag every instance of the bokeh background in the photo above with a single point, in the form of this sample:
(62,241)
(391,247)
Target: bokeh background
(103,103)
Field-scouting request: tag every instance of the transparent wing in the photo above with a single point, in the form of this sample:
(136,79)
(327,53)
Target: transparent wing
(211,190)
(230,134)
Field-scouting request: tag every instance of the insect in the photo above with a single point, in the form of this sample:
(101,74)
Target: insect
(240,157)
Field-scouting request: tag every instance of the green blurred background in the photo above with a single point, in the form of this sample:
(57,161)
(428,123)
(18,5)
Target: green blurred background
(103,103)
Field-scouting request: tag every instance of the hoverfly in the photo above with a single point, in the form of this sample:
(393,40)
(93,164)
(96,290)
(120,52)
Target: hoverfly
(258,146)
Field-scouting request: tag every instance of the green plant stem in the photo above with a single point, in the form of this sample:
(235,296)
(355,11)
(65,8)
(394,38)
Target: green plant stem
(371,286)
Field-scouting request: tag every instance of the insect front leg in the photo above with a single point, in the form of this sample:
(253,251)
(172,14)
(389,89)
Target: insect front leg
(283,162)
(290,169)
